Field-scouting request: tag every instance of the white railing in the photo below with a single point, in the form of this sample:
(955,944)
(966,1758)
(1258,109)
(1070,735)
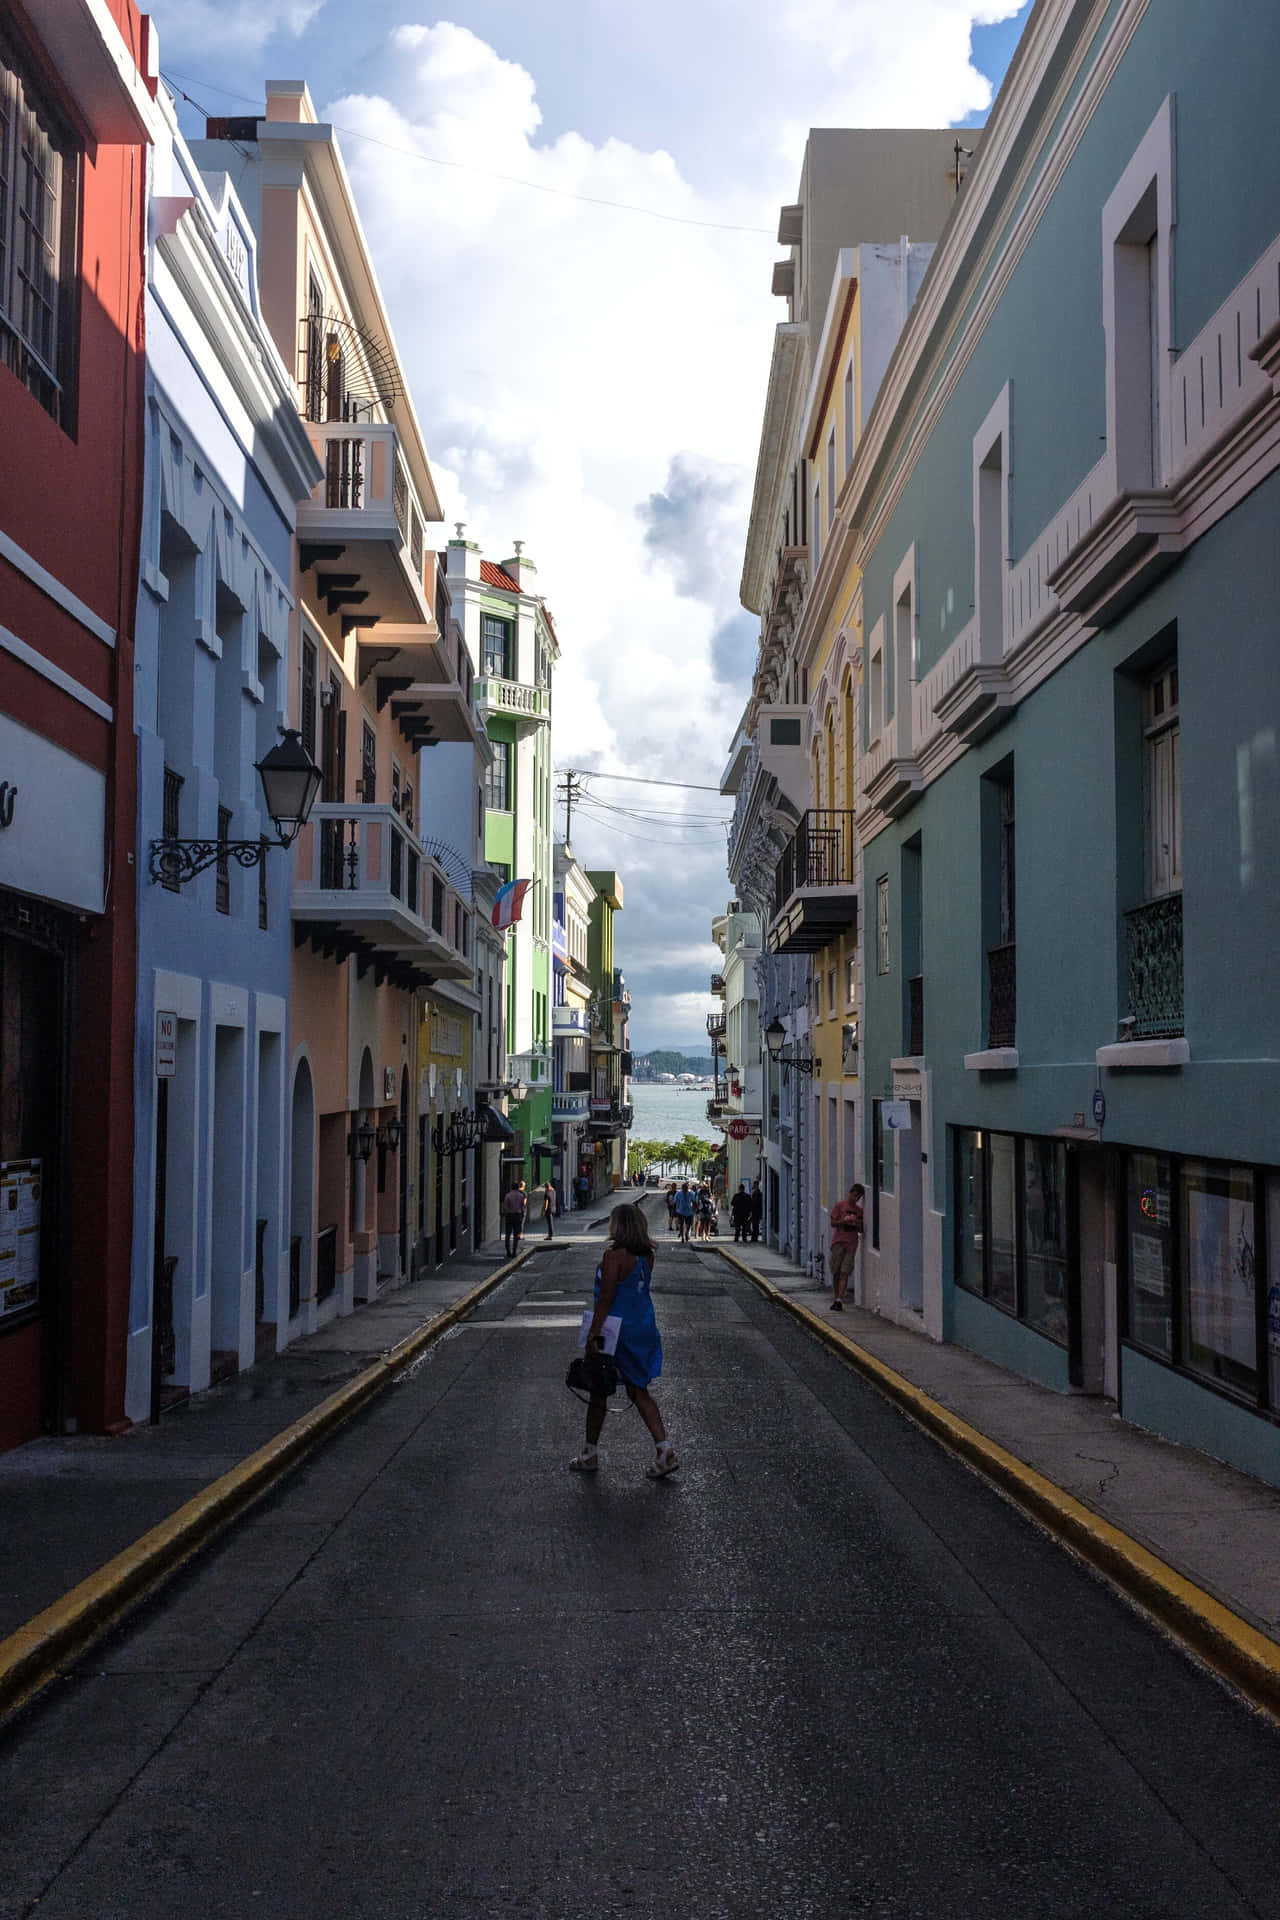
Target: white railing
(1214,379)
(510,696)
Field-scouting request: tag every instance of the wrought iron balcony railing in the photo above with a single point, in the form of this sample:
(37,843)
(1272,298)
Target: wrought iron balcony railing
(1002,995)
(1153,943)
(820,854)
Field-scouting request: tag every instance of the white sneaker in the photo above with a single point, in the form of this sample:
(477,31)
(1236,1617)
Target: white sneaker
(587,1461)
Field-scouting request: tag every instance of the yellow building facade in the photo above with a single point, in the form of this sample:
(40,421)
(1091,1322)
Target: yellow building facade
(829,656)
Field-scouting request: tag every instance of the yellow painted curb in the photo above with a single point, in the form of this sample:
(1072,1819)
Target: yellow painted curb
(35,1653)
(1234,1649)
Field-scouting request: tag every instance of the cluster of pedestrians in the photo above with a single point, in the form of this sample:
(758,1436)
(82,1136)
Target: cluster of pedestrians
(692,1211)
(515,1208)
(746,1210)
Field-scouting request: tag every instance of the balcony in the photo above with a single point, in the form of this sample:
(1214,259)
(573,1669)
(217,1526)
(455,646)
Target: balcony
(528,707)
(364,529)
(814,883)
(1153,943)
(365,887)
(716,1025)
(427,711)
(570,1106)
(571,1019)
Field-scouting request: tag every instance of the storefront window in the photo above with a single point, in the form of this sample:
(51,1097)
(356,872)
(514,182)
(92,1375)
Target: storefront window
(1003,1276)
(1013,1229)
(1149,1230)
(970,1186)
(1044,1236)
(1219,1327)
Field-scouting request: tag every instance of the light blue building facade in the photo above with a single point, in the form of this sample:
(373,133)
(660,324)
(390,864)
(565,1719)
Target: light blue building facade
(227,459)
(1068,791)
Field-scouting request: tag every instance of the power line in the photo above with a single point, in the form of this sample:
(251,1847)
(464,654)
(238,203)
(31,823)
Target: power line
(485,173)
(640,780)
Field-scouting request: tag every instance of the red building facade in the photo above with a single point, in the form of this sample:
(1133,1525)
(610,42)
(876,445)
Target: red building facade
(77,88)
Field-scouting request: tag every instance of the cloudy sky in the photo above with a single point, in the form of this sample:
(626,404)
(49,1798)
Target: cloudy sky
(572,206)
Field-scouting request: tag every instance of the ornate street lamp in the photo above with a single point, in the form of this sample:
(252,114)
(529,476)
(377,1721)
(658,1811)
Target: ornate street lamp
(290,782)
(774,1036)
(391,1133)
(360,1141)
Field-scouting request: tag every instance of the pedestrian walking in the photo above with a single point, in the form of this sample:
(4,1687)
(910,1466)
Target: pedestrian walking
(671,1207)
(623,1281)
(514,1204)
(757,1209)
(740,1213)
(684,1212)
(846,1232)
(706,1212)
(549,1206)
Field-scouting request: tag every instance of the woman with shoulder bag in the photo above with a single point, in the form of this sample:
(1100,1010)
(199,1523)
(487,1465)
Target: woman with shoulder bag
(622,1288)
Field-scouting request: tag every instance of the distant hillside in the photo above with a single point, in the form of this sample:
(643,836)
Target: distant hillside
(648,1066)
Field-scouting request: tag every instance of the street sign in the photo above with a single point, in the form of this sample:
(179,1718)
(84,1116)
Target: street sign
(739,1128)
(896,1115)
(166,1045)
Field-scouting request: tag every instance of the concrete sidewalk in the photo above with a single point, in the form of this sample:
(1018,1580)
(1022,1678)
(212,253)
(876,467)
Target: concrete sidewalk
(1210,1524)
(68,1505)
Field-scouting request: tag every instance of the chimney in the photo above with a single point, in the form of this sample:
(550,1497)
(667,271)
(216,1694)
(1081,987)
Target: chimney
(521,568)
(463,555)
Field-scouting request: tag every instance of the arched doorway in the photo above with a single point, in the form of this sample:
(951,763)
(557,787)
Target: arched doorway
(302,1154)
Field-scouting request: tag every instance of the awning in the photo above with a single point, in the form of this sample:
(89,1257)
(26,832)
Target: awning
(496,1125)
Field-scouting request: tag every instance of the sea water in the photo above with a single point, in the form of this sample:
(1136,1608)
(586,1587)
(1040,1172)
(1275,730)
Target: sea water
(663,1112)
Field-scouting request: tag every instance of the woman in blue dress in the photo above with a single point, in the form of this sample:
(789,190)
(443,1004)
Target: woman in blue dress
(623,1280)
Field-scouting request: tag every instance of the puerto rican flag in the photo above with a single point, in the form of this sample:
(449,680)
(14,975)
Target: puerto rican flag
(508,905)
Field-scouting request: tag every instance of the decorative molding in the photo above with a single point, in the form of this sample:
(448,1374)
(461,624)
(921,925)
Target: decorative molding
(992,1060)
(31,657)
(50,585)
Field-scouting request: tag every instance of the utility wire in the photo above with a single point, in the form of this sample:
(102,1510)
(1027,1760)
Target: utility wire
(639,780)
(486,173)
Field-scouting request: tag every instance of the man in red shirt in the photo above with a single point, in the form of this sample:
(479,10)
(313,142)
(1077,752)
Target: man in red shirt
(846,1233)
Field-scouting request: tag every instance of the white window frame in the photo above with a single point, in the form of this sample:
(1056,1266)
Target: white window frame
(850,436)
(906,650)
(815,530)
(882,924)
(992,468)
(831,477)
(1137,246)
(876,718)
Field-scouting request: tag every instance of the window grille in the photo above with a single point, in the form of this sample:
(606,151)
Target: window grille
(38,197)
(171,823)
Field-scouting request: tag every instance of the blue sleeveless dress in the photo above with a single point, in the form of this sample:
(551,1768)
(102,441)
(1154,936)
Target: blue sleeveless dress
(639,1354)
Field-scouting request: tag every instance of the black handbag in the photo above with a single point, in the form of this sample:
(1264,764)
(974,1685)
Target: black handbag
(593,1372)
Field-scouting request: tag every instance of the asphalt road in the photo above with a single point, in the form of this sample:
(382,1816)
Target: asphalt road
(821,1671)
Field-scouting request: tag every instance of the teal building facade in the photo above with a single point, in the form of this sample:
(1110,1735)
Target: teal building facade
(1068,787)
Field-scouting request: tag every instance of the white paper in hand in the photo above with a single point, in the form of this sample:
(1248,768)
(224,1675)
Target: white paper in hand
(611,1329)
